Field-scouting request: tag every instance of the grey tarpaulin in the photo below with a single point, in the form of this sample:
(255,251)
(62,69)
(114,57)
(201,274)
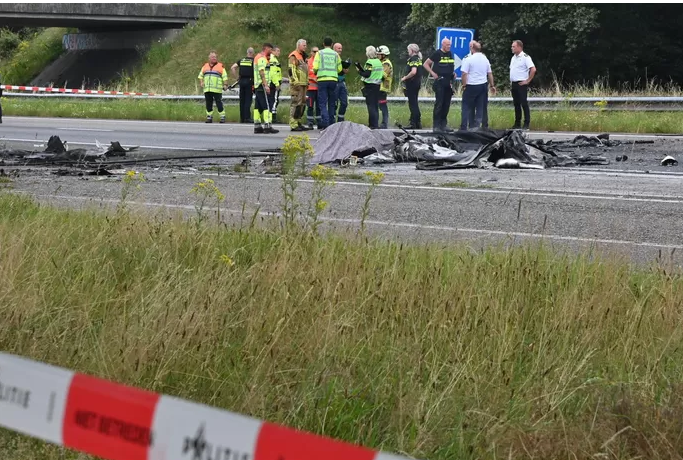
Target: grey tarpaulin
(341,140)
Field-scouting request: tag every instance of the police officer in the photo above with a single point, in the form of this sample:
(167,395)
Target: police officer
(214,80)
(441,66)
(298,82)
(522,71)
(262,114)
(327,66)
(246,84)
(385,87)
(371,76)
(275,82)
(411,82)
(341,93)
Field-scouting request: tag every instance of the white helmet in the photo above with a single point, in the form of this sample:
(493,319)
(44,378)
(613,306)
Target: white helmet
(383,50)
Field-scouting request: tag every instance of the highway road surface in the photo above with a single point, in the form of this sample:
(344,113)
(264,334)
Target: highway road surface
(633,210)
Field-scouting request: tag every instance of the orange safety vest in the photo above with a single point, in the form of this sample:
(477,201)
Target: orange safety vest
(312,77)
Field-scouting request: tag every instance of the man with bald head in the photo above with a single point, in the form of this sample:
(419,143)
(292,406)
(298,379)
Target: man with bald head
(341,92)
(476,78)
(441,66)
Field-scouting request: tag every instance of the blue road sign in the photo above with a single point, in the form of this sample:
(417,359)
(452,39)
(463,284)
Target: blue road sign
(460,44)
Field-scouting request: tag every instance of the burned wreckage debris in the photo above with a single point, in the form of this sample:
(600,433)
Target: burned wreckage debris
(347,141)
(56,153)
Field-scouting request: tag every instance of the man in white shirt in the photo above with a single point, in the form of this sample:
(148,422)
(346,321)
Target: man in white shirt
(522,71)
(476,78)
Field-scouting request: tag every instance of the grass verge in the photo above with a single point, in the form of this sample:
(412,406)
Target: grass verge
(438,352)
(32,56)
(564,119)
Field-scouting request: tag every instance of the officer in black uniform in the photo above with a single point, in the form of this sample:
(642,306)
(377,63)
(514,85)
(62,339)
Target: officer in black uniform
(441,66)
(246,83)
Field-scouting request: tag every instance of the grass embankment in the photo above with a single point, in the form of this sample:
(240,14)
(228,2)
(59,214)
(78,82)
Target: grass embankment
(32,56)
(231,28)
(438,352)
(566,119)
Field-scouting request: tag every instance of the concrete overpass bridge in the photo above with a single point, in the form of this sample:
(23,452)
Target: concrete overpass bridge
(100,16)
(111,37)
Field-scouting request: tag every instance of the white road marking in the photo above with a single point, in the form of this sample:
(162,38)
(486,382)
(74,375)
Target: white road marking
(85,129)
(407,225)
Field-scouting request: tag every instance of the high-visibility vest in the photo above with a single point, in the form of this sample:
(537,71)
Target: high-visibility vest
(327,65)
(275,70)
(377,72)
(214,78)
(261,62)
(298,69)
(388,75)
(312,78)
(246,66)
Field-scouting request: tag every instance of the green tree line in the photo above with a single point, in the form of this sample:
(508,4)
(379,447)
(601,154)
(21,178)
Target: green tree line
(621,44)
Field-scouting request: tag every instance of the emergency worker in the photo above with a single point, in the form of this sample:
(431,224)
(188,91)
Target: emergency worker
(341,93)
(371,76)
(298,82)
(476,79)
(245,68)
(411,82)
(385,87)
(275,82)
(327,66)
(441,66)
(312,93)
(522,71)
(262,114)
(214,80)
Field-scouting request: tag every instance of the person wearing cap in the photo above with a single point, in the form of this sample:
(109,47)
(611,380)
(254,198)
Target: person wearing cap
(327,66)
(385,87)
(341,93)
(262,114)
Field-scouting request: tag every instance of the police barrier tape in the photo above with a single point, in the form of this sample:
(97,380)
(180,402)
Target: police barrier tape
(118,422)
(46,92)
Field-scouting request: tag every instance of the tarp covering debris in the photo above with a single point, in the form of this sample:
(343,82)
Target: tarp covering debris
(461,149)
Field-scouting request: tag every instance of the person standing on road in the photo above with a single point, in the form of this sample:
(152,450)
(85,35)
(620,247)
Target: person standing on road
(262,114)
(298,82)
(327,66)
(522,71)
(275,82)
(214,80)
(341,93)
(246,84)
(371,75)
(441,66)
(476,78)
(411,82)
(312,93)
(385,87)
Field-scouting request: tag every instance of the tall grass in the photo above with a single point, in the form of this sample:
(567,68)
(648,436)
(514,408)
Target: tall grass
(32,56)
(567,118)
(435,351)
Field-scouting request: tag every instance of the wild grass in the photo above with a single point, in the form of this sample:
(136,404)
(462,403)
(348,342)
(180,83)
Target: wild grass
(32,56)
(434,351)
(565,118)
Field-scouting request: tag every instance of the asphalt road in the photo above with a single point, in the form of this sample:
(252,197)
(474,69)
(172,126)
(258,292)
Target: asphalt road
(633,212)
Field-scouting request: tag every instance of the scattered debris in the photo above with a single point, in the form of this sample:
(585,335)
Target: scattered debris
(669,161)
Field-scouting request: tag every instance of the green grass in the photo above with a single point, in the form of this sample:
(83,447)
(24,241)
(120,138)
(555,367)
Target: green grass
(231,28)
(563,119)
(32,56)
(439,352)
(456,184)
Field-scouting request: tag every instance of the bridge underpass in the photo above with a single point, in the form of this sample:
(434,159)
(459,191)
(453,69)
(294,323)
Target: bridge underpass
(111,37)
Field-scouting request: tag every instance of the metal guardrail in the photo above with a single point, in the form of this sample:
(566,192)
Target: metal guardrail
(231,97)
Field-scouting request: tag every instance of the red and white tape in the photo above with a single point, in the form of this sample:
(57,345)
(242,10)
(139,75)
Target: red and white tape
(42,89)
(118,422)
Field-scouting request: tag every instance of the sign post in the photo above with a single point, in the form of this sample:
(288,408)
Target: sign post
(460,44)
